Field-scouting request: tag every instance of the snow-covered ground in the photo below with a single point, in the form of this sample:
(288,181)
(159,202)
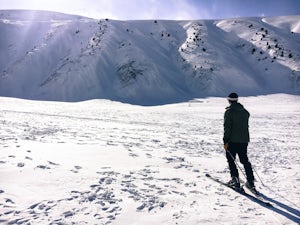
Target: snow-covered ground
(104,162)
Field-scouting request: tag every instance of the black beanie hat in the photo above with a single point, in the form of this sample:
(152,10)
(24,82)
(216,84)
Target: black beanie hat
(233,97)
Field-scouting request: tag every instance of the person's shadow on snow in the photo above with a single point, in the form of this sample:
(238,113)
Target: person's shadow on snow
(289,212)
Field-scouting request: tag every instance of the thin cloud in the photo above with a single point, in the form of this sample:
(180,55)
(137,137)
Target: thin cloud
(159,9)
(115,9)
(145,9)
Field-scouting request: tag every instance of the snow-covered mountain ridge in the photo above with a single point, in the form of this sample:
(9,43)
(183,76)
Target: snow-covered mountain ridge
(53,56)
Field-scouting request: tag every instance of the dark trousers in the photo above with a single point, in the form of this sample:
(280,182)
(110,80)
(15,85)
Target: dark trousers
(239,149)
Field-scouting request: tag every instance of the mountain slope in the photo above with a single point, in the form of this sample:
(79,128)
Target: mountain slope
(52,56)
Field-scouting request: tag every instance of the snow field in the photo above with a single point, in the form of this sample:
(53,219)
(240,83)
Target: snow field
(104,162)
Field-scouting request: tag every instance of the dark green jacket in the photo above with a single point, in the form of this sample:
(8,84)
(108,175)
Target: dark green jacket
(236,128)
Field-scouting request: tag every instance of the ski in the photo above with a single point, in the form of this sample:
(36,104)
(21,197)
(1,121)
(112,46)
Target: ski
(254,197)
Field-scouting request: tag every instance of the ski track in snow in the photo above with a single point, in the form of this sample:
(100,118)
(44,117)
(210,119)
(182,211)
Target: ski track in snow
(103,162)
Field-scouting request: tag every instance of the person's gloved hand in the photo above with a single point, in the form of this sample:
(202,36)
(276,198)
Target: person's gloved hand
(226,146)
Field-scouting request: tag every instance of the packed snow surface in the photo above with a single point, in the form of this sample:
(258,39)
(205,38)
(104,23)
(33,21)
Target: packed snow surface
(104,162)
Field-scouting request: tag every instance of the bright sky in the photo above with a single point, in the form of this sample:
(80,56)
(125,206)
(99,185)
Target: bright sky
(161,9)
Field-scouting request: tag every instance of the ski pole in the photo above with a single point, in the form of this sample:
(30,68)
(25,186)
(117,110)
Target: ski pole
(258,176)
(270,189)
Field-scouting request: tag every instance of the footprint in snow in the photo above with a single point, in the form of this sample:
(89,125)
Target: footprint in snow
(133,155)
(53,164)
(7,200)
(148,155)
(21,164)
(43,167)
(68,214)
(76,169)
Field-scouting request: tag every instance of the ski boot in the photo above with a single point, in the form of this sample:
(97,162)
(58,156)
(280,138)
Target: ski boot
(234,183)
(251,187)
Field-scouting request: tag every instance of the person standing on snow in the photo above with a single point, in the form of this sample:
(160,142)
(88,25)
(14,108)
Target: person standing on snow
(236,139)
